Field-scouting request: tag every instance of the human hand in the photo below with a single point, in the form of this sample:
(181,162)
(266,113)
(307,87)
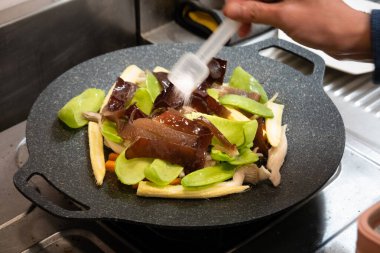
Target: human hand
(329,25)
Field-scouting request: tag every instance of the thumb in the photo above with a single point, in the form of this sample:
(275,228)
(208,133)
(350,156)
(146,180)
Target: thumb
(252,12)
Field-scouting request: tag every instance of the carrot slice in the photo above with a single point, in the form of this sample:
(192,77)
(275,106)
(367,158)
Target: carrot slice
(110,166)
(112,156)
(176,181)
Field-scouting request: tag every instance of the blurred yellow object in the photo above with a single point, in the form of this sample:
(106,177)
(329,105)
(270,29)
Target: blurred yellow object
(204,19)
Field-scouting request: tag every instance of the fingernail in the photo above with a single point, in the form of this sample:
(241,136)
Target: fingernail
(234,10)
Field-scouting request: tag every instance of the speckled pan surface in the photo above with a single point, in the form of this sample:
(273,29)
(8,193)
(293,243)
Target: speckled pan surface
(315,133)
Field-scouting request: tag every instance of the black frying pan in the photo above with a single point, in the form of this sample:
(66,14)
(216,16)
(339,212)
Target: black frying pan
(316,139)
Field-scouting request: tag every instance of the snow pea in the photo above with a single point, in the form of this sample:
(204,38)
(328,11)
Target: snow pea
(208,175)
(243,80)
(109,131)
(246,104)
(246,156)
(131,171)
(153,86)
(89,100)
(161,172)
(143,100)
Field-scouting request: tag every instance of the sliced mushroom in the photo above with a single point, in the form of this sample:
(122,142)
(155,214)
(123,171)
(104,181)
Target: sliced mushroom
(276,157)
(248,174)
(93,116)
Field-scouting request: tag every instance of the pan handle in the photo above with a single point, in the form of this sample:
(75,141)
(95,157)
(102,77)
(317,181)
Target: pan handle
(316,60)
(20,180)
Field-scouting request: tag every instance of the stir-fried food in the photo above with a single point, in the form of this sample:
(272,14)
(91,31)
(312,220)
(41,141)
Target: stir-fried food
(228,137)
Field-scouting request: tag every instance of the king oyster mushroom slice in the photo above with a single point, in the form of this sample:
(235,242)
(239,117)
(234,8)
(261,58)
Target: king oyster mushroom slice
(248,174)
(276,157)
(117,148)
(93,116)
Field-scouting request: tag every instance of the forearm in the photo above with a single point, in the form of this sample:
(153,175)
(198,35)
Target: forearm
(375,38)
(328,25)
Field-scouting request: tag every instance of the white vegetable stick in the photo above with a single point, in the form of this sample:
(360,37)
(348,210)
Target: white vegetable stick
(160,69)
(276,157)
(273,125)
(148,189)
(132,74)
(96,152)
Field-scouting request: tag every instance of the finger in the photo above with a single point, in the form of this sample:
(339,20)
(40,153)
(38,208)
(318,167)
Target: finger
(236,1)
(244,29)
(253,11)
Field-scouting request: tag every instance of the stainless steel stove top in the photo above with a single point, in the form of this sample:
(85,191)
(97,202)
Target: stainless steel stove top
(324,223)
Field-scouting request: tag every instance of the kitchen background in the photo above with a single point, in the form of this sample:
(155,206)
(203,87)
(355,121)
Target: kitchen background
(41,39)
